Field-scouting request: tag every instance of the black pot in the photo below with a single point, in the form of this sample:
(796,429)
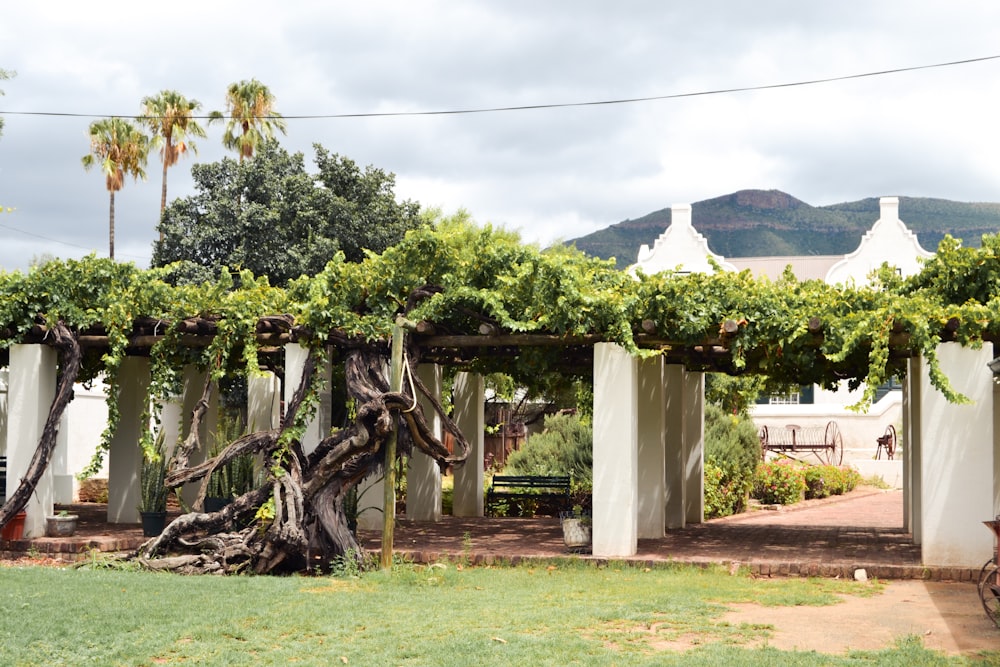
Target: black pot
(153,523)
(214,504)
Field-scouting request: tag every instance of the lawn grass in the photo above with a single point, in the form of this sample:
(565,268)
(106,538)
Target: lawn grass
(545,614)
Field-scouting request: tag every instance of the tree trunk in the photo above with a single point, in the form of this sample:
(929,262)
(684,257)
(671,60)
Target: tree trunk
(111,228)
(298,518)
(163,195)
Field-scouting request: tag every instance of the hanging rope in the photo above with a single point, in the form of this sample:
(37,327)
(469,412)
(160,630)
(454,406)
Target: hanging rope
(409,377)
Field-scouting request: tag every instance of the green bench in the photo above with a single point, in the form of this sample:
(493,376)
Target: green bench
(548,491)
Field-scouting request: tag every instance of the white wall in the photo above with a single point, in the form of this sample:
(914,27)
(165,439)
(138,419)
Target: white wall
(79,435)
(859,430)
(956,461)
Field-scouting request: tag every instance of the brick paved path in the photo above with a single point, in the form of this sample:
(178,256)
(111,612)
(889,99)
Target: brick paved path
(830,537)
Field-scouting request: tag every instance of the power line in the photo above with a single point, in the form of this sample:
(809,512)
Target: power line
(555,105)
(66,243)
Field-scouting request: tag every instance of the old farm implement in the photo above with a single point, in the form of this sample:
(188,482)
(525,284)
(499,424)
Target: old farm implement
(824,442)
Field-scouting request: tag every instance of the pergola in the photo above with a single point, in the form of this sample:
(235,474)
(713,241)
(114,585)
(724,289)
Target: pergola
(477,300)
(648,427)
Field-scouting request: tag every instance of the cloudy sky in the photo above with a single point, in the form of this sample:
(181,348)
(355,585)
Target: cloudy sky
(552,173)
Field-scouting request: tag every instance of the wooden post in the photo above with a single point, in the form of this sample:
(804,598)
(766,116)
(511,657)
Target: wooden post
(389,506)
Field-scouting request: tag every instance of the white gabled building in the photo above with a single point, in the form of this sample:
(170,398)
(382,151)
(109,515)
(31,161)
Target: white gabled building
(950,471)
(682,247)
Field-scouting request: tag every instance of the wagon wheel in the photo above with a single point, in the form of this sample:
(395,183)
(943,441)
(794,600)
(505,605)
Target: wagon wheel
(763,442)
(888,441)
(989,591)
(985,571)
(834,444)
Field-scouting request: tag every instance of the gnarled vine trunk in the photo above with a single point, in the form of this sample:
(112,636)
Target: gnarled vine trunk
(304,520)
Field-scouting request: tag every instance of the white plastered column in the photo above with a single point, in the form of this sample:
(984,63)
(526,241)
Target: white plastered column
(32,386)
(674,455)
(175,422)
(911,449)
(63,481)
(996,442)
(319,426)
(423,476)
(468,394)
(125,454)
(616,452)
(651,452)
(694,447)
(263,402)
(956,461)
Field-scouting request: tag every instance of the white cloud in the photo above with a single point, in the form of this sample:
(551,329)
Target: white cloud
(555,173)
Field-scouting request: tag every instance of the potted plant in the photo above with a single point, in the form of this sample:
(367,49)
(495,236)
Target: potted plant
(13,530)
(230,481)
(576,529)
(153,491)
(61,525)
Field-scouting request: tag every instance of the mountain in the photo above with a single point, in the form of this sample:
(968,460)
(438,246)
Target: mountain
(764,223)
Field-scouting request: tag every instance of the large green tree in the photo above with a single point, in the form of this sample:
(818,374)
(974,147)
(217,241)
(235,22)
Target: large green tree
(170,118)
(273,217)
(120,149)
(252,118)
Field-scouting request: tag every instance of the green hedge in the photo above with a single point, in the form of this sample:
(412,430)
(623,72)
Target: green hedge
(732,451)
(785,482)
(779,483)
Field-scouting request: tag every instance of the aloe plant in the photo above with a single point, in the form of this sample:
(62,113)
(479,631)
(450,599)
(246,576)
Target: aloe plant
(152,490)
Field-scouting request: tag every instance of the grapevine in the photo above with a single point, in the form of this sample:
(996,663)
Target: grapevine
(485,302)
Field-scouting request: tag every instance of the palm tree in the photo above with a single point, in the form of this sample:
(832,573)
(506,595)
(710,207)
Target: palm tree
(121,149)
(170,117)
(252,118)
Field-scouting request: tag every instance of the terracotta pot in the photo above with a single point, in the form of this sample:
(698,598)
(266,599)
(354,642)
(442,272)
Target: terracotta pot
(14,529)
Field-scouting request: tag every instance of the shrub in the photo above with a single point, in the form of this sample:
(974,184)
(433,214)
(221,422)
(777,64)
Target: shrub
(828,480)
(732,451)
(779,482)
(820,481)
(851,478)
(723,496)
(564,447)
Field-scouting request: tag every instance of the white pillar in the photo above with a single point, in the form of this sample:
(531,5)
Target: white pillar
(674,455)
(371,502)
(4,377)
(996,441)
(63,481)
(694,447)
(32,386)
(125,455)
(423,477)
(467,399)
(911,449)
(180,411)
(616,468)
(651,452)
(319,427)
(263,402)
(956,464)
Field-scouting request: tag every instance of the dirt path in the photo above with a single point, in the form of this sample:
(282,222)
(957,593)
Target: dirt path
(948,617)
